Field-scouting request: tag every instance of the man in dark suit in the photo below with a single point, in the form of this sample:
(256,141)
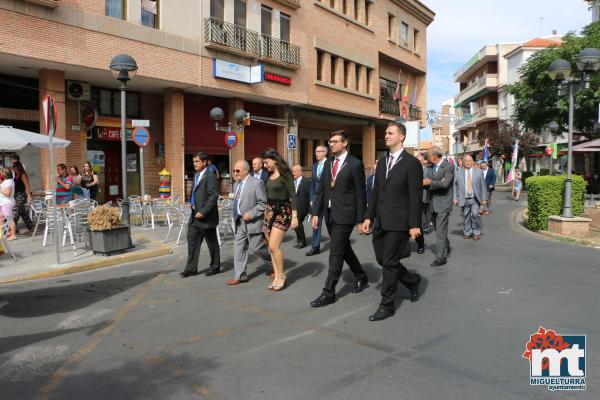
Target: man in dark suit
(204,218)
(317,173)
(490,182)
(425,210)
(394,214)
(303,203)
(258,171)
(440,186)
(371,181)
(342,200)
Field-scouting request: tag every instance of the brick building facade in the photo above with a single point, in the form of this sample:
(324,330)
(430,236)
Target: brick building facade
(322,65)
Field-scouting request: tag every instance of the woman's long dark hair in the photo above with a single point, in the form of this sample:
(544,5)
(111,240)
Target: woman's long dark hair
(282,166)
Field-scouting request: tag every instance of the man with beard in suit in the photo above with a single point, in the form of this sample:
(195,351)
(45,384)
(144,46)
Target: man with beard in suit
(342,200)
(204,218)
(394,214)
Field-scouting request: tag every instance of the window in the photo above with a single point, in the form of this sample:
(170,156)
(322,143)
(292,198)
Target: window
(239,11)
(369,80)
(404,33)
(150,13)
(217,9)
(346,73)
(284,27)
(108,102)
(114,8)
(265,20)
(344,7)
(332,3)
(416,41)
(333,62)
(357,76)
(356,9)
(391,26)
(367,12)
(319,65)
(303,152)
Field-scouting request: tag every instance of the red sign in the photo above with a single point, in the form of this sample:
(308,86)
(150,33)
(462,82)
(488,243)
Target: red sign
(231,139)
(549,150)
(284,80)
(112,134)
(50,111)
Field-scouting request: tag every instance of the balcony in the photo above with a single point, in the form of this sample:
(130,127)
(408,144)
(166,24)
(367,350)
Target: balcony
(485,55)
(295,4)
(392,107)
(236,39)
(482,85)
(45,3)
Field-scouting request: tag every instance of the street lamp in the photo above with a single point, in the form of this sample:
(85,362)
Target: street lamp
(588,62)
(124,68)
(217,115)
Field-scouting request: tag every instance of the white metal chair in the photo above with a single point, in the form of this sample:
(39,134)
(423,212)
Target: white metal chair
(51,225)
(136,209)
(3,231)
(158,208)
(226,225)
(179,215)
(37,209)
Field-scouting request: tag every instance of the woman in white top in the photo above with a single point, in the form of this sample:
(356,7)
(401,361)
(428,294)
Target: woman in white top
(7,201)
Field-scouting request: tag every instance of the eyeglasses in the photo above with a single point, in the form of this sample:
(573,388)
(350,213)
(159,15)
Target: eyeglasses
(334,141)
(237,171)
(320,151)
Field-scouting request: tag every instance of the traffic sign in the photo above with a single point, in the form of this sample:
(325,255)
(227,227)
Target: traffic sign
(549,150)
(50,112)
(292,141)
(231,139)
(140,122)
(141,136)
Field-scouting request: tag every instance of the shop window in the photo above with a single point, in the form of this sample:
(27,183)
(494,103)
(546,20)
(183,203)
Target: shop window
(18,92)
(150,13)
(115,8)
(303,152)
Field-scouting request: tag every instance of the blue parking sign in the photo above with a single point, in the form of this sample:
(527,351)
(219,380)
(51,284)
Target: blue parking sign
(292,141)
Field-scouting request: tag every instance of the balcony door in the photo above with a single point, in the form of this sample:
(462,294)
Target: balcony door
(266,17)
(239,11)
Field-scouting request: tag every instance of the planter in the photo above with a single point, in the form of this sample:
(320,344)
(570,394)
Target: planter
(110,241)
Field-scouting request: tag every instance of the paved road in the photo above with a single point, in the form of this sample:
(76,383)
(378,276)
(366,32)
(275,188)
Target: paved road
(141,332)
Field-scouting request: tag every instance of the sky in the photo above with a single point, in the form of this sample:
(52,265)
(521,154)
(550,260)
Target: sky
(461,28)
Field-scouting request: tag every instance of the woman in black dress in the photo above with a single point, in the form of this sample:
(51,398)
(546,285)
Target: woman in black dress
(22,195)
(89,180)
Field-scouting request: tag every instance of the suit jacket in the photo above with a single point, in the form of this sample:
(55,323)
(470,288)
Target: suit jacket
(314,182)
(206,194)
(370,184)
(398,197)
(441,188)
(252,200)
(348,197)
(460,186)
(303,198)
(490,178)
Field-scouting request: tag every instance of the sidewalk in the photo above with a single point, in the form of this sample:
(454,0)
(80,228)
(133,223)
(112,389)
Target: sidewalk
(36,262)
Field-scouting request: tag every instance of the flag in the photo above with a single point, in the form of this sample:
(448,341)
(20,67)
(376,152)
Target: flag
(413,100)
(404,106)
(513,162)
(486,151)
(397,94)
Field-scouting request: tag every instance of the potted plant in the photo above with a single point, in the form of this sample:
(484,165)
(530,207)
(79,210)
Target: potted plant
(107,233)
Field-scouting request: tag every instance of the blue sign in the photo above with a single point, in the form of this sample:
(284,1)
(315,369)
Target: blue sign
(141,136)
(231,139)
(292,141)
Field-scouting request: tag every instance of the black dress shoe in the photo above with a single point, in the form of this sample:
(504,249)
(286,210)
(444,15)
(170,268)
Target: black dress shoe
(300,245)
(187,274)
(212,271)
(448,251)
(438,263)
(420,250)
(360,285)
(413,286)
(381,314)
(323,300)
(313,252)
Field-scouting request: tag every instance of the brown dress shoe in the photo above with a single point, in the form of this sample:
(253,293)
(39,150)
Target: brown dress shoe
(237,281)
(476,237)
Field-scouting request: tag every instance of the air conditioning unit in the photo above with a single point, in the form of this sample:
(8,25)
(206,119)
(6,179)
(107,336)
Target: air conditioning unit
(78,91)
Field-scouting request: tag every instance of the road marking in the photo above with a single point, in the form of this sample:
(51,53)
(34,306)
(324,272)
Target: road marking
(75,321)
(30,362)
(59,376)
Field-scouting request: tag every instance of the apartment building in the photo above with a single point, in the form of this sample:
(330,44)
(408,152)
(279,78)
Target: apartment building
(298,67)
(442,128)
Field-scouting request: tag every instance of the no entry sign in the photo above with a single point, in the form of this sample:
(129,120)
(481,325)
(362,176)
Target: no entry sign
(231,139)
(141,136)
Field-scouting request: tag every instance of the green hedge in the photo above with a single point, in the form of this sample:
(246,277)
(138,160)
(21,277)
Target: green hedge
(525,175)
(545,197)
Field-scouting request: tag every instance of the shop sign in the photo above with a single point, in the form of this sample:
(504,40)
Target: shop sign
(112,134)
(237,72)
(284,80)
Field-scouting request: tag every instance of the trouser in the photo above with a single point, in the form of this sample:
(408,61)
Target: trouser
(442,246)
(472,218)
(339,252)
(300,235)
(425,215)
(195,236)
(243,242)
(389,247)
(21,210)
(316,236)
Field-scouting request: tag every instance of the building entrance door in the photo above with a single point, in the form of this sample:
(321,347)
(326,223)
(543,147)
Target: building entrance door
(112,172)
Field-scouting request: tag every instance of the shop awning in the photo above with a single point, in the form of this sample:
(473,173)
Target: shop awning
(591,146)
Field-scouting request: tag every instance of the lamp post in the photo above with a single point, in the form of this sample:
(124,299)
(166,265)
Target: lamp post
(124,68)
(217,114)
(588,62)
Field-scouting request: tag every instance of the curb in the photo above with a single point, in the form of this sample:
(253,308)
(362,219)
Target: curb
(162,250)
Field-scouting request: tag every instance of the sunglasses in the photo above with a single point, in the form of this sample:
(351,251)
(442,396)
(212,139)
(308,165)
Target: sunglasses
(237,171)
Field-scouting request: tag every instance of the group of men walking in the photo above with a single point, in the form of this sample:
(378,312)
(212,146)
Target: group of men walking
(394,206)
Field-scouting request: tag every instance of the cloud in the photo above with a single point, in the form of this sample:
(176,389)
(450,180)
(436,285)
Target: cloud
(461,28)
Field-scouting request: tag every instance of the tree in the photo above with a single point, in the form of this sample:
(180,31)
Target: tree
(537,102)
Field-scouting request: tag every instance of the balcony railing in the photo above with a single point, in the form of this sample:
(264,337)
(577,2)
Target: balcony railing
(262,46)
(392,107)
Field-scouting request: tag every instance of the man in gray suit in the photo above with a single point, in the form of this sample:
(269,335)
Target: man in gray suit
(440,188)
(249,201)
(470,193)
(425,209)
